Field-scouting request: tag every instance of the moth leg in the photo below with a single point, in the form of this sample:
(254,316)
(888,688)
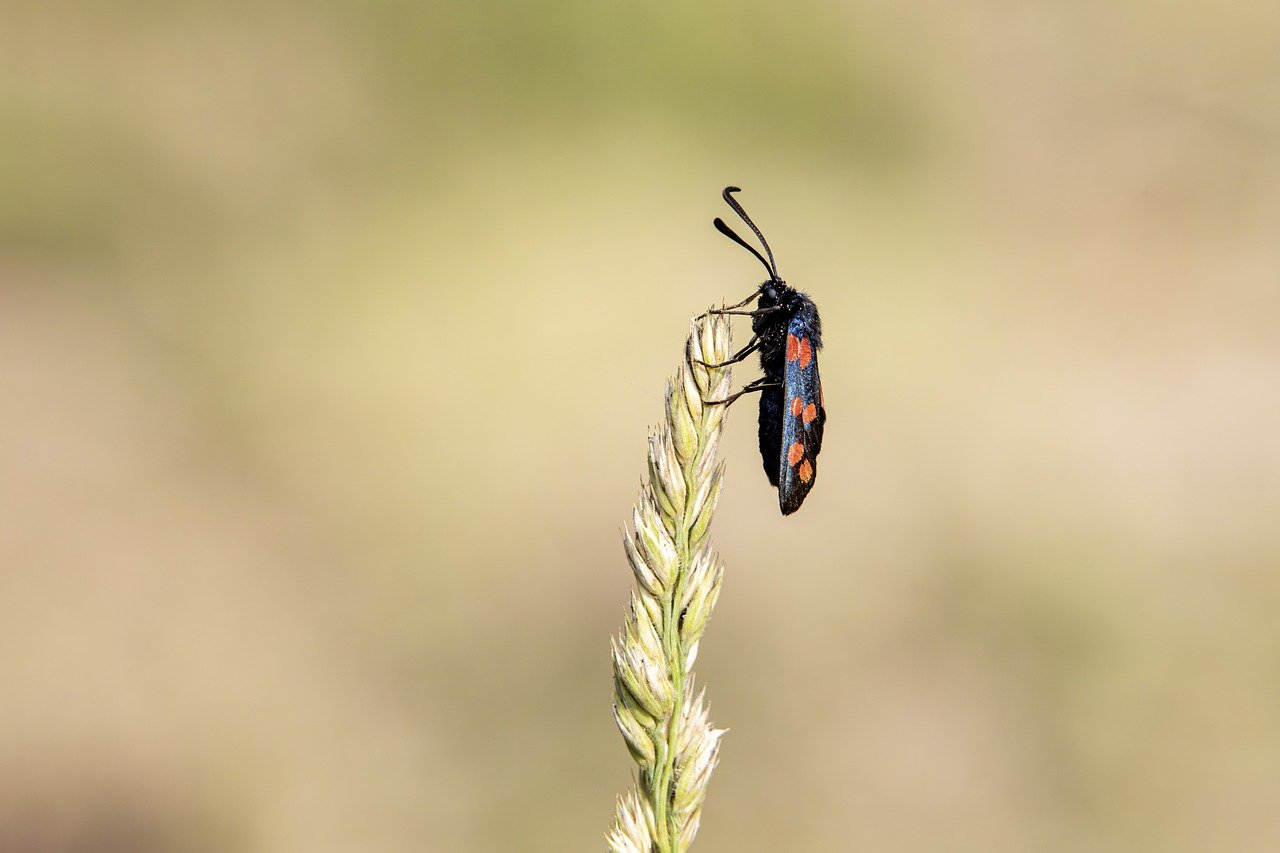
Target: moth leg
(753,295)
(750,387)
(738,356)
(757,313)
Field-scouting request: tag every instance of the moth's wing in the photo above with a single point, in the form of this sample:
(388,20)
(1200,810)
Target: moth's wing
(771,431)
(802,420)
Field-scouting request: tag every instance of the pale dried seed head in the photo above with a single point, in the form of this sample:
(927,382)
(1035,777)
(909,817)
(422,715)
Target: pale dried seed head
(627,680)
(657,675)
(690,829)
(699,566)
(693,722)
(631,833)
(705,574)
(691,394)
(690,370)
(664,471)
(707,486)
(660,496)
(702,600)
(695,619)
(656,547)
(644,575)
(635,734)
(657,684)
(714,597)
(626,704)
(663,724)
(684,427)
(707,462)
(703,520)
(652,608)
(642,632)
(712,344)
(645,679)
(691,784)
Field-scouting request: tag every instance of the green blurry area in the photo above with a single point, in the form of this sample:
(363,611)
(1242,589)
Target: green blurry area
(329,336)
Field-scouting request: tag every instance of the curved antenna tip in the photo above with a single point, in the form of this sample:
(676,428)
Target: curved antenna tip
(771,265)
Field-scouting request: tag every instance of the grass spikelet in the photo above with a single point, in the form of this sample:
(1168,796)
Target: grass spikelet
(678,574)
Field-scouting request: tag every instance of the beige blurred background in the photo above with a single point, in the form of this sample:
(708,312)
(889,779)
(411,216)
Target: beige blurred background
(330,335)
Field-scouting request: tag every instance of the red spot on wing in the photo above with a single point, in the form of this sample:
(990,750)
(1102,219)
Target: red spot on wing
(806,353)
(806,471)
(796,406)
(793,347)
(810,412)
(794,453)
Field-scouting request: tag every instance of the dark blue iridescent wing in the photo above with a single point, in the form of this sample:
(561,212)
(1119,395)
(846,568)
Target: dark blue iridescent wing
(802,416)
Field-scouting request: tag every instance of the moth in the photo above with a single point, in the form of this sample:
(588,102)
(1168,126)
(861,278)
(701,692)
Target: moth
(787,334)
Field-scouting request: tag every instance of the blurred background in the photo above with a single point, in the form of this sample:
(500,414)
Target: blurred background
(330,335)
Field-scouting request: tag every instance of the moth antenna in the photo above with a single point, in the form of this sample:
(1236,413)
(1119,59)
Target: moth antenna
(732,235)
(733,202)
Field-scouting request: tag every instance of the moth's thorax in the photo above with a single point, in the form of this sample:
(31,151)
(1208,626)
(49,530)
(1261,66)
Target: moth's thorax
(786,308)
(775,294)
(778,294)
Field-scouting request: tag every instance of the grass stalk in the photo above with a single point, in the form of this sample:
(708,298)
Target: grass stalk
(663,722)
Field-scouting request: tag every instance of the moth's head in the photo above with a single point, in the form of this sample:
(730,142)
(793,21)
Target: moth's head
(773,291)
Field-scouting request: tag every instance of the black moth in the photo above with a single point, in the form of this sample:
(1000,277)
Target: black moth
(788,334)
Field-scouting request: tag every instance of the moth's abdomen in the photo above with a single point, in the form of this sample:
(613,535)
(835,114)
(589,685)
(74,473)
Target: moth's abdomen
(771,432)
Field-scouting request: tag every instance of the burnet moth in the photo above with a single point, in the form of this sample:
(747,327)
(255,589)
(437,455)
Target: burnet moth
(788,335)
